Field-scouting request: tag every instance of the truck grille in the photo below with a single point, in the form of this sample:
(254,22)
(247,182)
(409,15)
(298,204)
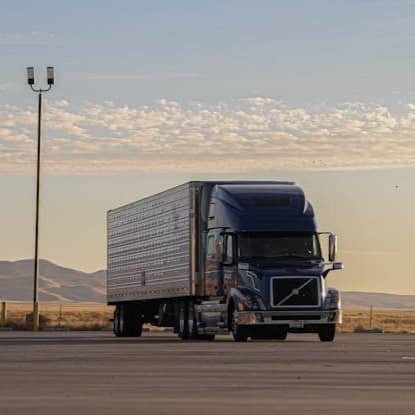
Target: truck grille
(295,291)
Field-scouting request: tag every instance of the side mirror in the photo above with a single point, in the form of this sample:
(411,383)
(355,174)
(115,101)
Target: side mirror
(332,247)
(335,267)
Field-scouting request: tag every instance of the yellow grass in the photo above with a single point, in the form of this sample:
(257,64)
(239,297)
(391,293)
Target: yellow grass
(90,316)
(389,320)
(74,316)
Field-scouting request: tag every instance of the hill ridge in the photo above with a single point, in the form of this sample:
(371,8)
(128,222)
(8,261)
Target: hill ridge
(59,283)
(56,282)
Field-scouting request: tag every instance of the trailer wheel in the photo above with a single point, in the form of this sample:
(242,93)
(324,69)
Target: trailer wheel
(239,333)
(116,322)
(127,321)
(327,332)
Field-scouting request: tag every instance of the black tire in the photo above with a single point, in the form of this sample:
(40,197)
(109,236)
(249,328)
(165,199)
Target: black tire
(116,322)
(239,333)
(183,321)
(193,326)
(187,323)
(127,321)
(327,332)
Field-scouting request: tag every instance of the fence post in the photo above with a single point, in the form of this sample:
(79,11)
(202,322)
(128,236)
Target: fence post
(3,318)
(371,316)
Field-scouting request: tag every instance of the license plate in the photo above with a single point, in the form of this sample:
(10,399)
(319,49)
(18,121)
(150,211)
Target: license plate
(297,324)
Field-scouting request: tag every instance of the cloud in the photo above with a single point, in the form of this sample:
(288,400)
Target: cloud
(252,134)
(6,86)
(26,39)
(143,77)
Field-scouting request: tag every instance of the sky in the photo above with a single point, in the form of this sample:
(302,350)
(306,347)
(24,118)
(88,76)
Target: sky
(149,95)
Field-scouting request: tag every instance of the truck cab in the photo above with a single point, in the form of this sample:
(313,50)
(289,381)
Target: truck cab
(264,262)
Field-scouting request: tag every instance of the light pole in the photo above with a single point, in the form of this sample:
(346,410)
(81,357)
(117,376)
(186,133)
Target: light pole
(31,82)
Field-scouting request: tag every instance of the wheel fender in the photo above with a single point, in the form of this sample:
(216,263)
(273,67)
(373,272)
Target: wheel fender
(235,298)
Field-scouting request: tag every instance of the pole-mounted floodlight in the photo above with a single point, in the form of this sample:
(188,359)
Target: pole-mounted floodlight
(31,81)
(50,75)
(30,75)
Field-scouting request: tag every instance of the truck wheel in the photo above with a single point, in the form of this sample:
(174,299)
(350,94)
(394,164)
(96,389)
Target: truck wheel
(137,326)
(239,333)
(183,321)
(127,321)
(327,332)
(119,326)
(116,322)
(193,327)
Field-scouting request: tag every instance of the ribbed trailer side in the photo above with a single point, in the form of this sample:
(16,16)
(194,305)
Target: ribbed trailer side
(150,250)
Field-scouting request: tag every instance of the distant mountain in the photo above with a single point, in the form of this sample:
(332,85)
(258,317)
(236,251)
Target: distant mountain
(379,300)
(56,283)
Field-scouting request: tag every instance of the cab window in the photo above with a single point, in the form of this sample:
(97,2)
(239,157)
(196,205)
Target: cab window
(228,257)
(211,251)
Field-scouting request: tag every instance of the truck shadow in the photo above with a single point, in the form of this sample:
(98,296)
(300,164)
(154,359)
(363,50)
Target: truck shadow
(79,340)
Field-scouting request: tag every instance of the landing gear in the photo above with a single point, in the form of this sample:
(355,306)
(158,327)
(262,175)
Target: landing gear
(127,321)
(327,332)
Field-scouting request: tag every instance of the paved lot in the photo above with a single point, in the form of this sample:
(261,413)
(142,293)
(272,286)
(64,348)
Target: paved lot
(95,373)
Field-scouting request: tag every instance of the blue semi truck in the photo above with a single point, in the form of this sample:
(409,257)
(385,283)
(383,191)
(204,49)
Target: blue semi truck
(220,257)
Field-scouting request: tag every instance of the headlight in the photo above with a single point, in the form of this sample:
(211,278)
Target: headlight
(332,299)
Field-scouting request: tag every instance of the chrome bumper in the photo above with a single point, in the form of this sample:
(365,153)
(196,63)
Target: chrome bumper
(292,319)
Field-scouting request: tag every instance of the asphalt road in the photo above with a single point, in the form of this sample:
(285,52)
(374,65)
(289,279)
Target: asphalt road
(95,373)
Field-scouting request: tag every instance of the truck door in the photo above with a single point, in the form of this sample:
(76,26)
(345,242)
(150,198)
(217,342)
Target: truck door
(214,268)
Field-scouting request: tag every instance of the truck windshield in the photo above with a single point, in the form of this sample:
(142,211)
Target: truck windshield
(272,245)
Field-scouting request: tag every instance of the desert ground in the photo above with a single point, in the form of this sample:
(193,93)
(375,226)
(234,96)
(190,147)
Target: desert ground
(96,373)
(86,369)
